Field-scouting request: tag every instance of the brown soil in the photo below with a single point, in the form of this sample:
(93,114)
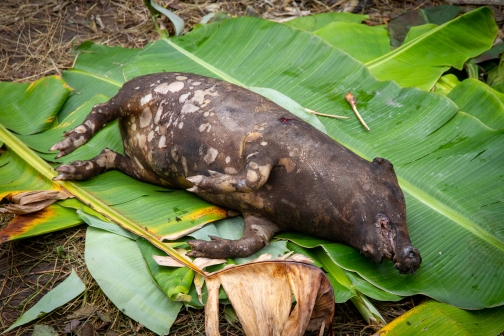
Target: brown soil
(37,36)
(36,39)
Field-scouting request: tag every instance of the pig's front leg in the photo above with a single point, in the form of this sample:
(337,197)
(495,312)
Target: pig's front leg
(257,233)
(105,161)
(84,170)
(100,115)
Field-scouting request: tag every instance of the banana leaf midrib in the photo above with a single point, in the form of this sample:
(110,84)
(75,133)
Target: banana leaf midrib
(405,47)
(32,159)
(102,78)
(210,67)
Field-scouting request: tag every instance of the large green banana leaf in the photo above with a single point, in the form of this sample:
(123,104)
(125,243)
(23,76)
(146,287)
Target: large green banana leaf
(477,98)
(117,265)
(422,60)
(46,95)
(362,42)
(448,162)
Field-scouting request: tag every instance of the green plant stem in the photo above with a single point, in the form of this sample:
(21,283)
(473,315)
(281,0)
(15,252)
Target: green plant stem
(361,302)
(471,69)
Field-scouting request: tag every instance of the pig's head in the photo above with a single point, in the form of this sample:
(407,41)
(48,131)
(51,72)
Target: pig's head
(387,236)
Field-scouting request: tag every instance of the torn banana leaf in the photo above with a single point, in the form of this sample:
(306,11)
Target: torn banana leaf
(117,265)
(420,62)
(450,44)
(66,291)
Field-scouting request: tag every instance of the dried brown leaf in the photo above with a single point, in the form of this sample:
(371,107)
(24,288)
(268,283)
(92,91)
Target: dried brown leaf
(22,203)
(263,257)
(17,209)
(28,197)
(71,326)
(300,258)
(264,304)
(82,313)
(199,281)
(87,330)
(205,262)
(169,261)
(105,317)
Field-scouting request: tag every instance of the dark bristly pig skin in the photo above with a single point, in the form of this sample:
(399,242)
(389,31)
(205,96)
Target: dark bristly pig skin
(237,149)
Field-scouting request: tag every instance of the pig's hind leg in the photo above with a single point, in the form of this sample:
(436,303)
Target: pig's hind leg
(105,161)
(257,233)
(100,115)
(84,170)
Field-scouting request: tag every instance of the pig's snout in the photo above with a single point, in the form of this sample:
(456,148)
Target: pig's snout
(407,260)
(396,245)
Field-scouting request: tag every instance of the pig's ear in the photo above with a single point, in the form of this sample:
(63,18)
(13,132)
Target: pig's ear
(384,164)
(382,161)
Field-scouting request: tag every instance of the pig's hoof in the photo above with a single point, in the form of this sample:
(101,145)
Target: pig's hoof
(207,249)
(75,171)
(73,140)
(64,147)
(197,181)
(216,183)
(203,183)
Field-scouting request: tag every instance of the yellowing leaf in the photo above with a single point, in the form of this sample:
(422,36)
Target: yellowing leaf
(53,218)
(436,318)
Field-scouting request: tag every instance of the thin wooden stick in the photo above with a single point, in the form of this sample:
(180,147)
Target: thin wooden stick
(325,115)
(349,97)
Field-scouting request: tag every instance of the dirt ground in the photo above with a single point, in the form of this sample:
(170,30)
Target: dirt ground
(36,39)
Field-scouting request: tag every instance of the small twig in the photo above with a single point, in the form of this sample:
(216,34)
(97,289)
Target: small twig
(349,97)
(325,115)
(100,22)
(55,67)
